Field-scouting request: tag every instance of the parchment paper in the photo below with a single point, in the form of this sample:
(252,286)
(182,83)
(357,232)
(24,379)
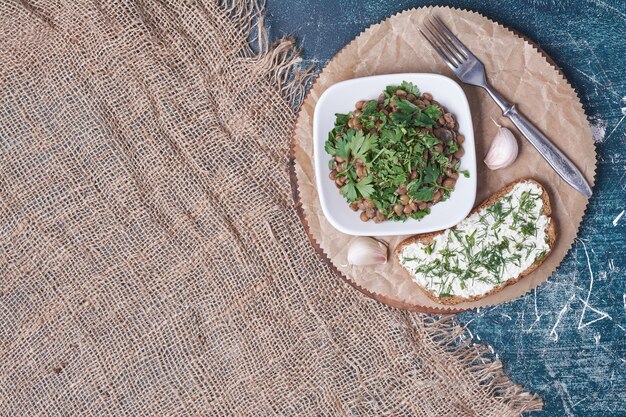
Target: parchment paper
(518,71)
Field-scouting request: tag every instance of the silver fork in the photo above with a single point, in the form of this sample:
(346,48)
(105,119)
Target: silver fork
(470,70)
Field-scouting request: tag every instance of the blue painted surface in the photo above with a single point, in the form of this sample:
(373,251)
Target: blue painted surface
(567,340)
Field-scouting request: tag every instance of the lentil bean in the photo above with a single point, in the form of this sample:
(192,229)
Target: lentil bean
(370,213)
(407,210)
(401,93)
(459,153)
(411,97)
(359,104)
(449,182)
(460,139)
(422,206)
(449,118)
(380,217)
(405,199)
(398,209)
(370,204)
(450,173)
(354,206)
(427,96)
(364,217)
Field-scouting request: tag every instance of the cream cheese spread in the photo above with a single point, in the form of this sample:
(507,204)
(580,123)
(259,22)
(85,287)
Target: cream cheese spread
(484,250)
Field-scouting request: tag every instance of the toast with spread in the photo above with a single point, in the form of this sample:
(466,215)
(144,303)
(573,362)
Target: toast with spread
(502,240)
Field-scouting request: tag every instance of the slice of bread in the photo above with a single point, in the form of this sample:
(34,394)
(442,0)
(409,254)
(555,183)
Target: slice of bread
(427,238)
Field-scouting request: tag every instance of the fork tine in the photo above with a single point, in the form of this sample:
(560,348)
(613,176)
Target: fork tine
(443,39)
(439,51)
(442,45)
(461,47)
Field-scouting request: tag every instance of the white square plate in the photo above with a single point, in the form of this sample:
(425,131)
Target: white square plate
(340,98)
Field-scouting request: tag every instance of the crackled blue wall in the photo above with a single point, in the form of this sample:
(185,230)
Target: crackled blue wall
(567,340)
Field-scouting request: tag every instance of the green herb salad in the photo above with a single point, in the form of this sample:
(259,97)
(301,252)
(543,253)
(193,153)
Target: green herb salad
(395,157)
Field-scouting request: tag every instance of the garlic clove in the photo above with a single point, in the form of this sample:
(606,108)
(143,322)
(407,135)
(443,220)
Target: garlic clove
(367,251)
(503,150)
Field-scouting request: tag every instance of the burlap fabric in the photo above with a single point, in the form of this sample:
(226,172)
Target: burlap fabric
(151,259)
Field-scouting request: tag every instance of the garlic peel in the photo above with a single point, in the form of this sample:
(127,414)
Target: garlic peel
(503,150)
(367,251)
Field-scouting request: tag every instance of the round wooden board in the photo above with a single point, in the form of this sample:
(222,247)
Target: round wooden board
(521,72)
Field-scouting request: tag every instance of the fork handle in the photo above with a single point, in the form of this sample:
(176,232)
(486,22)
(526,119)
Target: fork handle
(557,160)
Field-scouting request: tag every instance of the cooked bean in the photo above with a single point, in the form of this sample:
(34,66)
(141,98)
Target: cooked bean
(459,153)
(438,148)
(380,217)
(370,213)
(364,216)
(381,98)
(444,134)
(449,182)
(449,118)
(351,123)
(360,171)
(339,182)
(441,121)
(357,113)
(450,173)
(401,93)
(439,180)
(427,96)
(422,206)
(437,196)
(426,102)
(401,189)
(339,159)
(413,205)
(460,139)
(332,175)
(407,210)
(419,103)
(370,204)
(398,209)
(359,104)
(354,206)
(405,199)
(357,124)
(413,175)
(411,97)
